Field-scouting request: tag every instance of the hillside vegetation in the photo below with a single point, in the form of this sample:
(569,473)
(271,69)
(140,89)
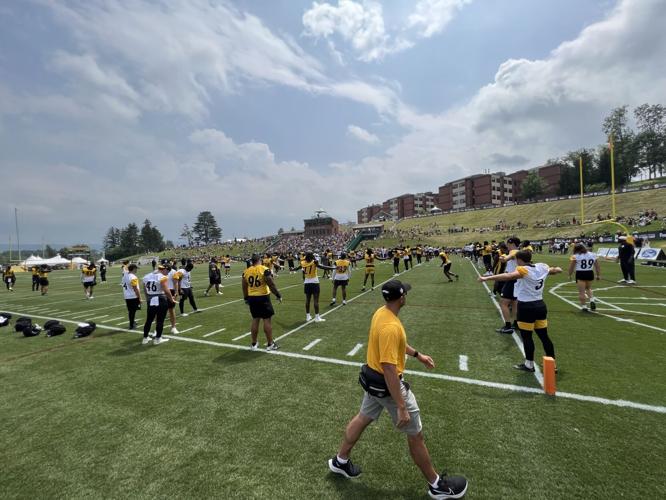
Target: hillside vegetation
(628,205)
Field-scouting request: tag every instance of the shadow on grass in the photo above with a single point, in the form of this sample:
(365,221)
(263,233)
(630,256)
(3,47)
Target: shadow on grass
(129,347)
(237,357)
(355,488)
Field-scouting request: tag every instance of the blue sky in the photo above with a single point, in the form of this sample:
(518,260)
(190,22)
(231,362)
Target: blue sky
(262,112)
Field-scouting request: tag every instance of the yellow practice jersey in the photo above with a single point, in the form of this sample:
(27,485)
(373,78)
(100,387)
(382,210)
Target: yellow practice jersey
(369,260)
(487,250)
(43,274)
(267,261)
(88,272)
(529,248)
(419,251)
(309,269)
(255,276)
(444,257)
(35,271)
(8,274)
(342,269)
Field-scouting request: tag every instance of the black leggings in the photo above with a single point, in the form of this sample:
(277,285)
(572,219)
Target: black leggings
(528,343)
(396,266)
(628,269)
(132,307)
(157,313)
(35,283)
(186,293)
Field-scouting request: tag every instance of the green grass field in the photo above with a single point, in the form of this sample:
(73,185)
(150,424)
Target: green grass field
(202,416)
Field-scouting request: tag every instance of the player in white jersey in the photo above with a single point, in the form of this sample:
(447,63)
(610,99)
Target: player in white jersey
(130,284)
(586,265)
(158,297)
(532,312)
(185,288)
(172,282)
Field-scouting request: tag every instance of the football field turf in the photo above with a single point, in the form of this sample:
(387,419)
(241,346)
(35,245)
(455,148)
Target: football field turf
(202,416)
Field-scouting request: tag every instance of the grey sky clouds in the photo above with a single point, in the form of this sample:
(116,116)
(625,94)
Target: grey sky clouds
(114,112)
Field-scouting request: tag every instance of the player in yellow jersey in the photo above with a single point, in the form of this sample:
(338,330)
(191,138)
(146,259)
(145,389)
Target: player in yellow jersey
(419,254)
(369,258)
(397,255)
(508,301)
(257,284)
(341,276)
(89,279)
(226,261)
(487,257)
(9,278)
(44,279)
(446,264)
(35,278)
(311,287)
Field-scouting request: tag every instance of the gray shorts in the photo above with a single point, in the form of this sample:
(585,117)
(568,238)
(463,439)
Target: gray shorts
(372,408)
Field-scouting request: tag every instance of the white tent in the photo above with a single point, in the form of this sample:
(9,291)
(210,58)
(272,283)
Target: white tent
(33,260)
(79,260)
(56,261)
(102,260)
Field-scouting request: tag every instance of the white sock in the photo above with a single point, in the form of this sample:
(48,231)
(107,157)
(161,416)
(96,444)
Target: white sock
(529,364)
(435,483)
(341,461)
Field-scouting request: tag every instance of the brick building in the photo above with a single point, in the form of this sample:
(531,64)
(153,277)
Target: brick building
(481,190)
(321,224)
(366,214)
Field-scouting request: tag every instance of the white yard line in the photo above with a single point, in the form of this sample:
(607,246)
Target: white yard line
(337,308)
(440,376)
(311,344)
(115,319)
(516,338)
(462,363)
(355,349)
(213,333)
(241,336)
(190,329)
(555,289)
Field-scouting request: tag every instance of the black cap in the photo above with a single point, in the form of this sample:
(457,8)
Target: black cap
(394,289)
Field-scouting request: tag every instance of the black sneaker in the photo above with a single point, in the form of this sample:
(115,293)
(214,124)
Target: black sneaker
(449,487)
(593,306)
(349,470)
(505,330)
(524,368)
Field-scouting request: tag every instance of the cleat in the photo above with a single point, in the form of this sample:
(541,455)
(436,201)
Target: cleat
(159,340)
(363,289)
(344,302)
(593,306)
(308,317)
(522,367)
(272,347)
(506,331)
(319,319)
(184,315)
(448,487)
(584,309)
(622,281)
(174,331)
(349,470)
(254,347)
(145,340)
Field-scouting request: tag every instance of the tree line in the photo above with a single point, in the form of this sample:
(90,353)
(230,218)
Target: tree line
(131,240)
(636,151)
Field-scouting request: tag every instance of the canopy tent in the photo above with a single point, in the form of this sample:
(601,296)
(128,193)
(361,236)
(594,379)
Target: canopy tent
(102,260)
(33,260)
(56,261)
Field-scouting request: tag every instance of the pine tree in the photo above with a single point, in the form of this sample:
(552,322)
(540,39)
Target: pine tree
(205,229)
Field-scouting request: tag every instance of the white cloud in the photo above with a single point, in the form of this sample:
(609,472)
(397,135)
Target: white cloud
(361,24)
(362,135)
(430,17)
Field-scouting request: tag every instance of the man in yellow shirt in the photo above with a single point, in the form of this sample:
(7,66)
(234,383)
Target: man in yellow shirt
(382,380)
(35,278)
(257,287)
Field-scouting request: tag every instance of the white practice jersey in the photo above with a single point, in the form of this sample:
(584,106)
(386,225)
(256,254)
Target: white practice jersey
(128,282)
(584,261)
(531,282)
(186,279)
(152,283)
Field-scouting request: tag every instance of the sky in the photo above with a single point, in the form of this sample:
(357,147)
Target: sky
(264,111)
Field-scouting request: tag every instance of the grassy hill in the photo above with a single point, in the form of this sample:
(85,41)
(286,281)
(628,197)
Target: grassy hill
(425,229)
